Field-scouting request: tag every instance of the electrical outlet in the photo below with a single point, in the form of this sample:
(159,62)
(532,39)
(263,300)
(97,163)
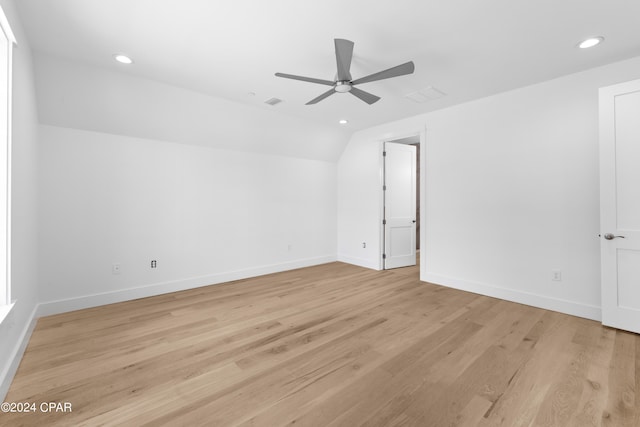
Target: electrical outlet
(364,245)
(556,275)
(154,263)
(115,269)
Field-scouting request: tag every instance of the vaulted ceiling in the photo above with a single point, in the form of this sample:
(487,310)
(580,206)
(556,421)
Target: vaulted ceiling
(466,49)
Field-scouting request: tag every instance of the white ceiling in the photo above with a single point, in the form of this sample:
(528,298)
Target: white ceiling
(465,48)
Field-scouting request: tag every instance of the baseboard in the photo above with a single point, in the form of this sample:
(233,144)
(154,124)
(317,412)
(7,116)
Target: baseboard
(535,300)
(87,301)
(360,262)
(11,368)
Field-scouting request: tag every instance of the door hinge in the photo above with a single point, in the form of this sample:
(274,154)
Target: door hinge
(384,154)
(384,256)
(384,222)
(384,188)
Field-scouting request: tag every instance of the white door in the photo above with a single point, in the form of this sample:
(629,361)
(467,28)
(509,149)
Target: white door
(399,205)
(620,205)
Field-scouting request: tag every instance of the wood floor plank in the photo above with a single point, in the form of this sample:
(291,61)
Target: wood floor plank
(593,401)
(529,384)
(330,345)
(621,408)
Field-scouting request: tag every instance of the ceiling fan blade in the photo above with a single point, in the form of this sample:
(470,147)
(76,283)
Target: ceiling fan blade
(306,79)
(344,53)
(400,70)
(365,96)
(321,97)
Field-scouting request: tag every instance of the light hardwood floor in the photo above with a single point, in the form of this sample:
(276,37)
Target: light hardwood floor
(332,345)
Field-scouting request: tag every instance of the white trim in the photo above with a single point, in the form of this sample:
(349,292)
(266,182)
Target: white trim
(381,242)
(4,310)
(423,201)
(87,301)
(360,262)
(4,25)
(421,132)
(9,371)
(6,29)
(535,300)
(9,151)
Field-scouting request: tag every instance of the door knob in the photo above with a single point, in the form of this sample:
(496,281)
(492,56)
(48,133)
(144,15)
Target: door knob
(610,236)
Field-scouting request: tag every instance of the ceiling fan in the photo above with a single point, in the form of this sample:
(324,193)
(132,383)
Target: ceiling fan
(343,81)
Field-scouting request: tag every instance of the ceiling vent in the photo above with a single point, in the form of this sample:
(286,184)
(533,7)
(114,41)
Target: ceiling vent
(273,101)
(429,93)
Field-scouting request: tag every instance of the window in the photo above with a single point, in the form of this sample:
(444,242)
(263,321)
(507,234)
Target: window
(7,41)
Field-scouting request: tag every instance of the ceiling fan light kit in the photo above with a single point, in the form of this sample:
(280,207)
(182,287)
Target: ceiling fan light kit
(343,82)
(342,86)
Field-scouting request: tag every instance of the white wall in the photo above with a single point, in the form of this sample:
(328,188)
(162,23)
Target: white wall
(79,96)
(17,326)
(510,192)
(359,202)
(206,215)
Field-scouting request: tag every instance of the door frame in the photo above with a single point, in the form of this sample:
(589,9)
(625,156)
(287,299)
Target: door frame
(421,132)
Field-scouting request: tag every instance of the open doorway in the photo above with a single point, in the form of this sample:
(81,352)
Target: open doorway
(401,202)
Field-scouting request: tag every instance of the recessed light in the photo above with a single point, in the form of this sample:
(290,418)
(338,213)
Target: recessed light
(343,122)
(591,42)
(123,59)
